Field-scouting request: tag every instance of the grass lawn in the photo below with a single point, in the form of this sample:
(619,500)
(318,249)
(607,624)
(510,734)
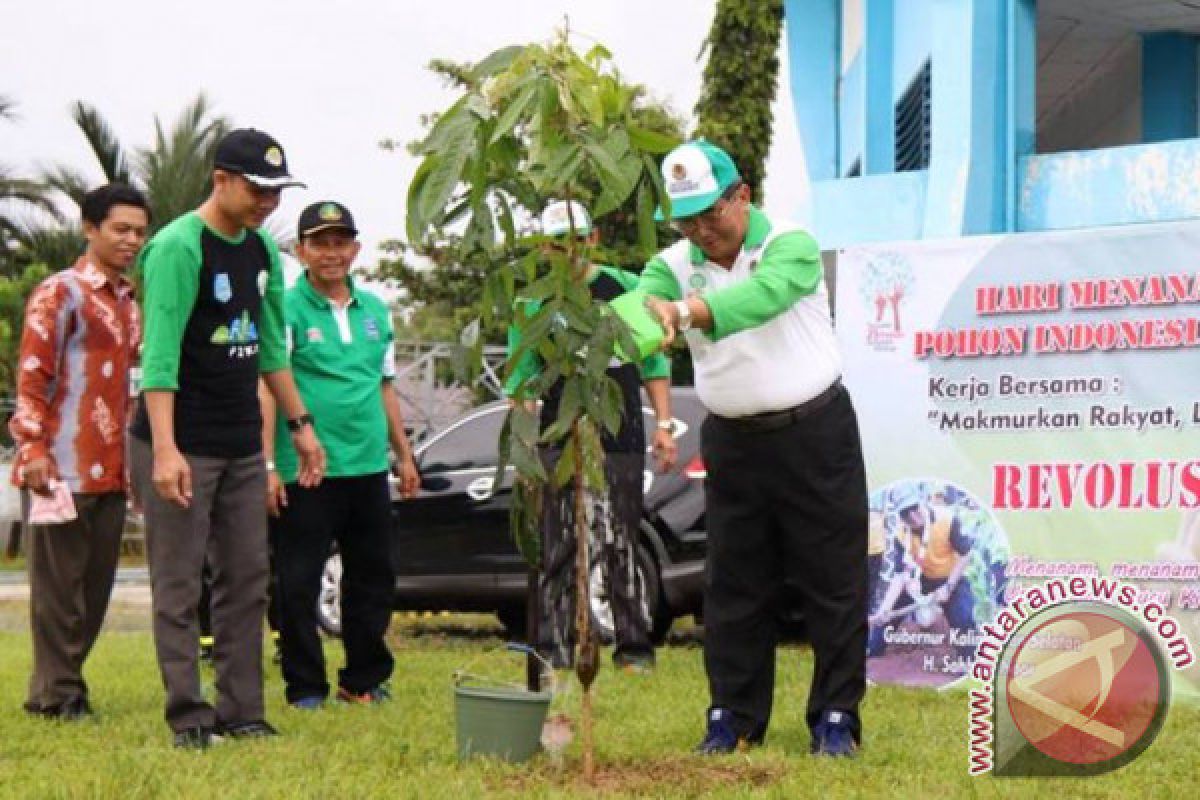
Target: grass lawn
(646,726)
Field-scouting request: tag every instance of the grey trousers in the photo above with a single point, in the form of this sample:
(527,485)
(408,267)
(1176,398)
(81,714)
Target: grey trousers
(71,571)
(227,521)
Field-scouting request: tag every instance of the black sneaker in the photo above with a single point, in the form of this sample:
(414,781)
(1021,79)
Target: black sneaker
(73,710)
(197,738)
(76,709)
(255,729)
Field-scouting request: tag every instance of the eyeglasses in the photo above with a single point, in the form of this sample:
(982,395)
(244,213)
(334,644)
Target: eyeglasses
(707,219)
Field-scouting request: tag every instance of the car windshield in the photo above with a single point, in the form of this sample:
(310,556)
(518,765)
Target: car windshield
(471,444)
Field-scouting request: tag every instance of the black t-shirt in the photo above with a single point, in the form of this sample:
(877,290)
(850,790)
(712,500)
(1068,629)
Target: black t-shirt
(216,406)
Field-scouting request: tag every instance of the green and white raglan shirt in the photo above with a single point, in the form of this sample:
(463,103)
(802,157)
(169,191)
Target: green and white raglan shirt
(213,318)
(340,358)
(605,284)
(772,344)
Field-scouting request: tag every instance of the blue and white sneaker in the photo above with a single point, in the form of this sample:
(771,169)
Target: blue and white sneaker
(312,703)
(720,737)
(833,736)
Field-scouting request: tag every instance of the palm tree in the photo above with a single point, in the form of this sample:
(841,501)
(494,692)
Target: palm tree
(174,173)
(19,197)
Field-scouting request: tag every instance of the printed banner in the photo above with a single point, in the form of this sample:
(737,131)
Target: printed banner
(1030,409)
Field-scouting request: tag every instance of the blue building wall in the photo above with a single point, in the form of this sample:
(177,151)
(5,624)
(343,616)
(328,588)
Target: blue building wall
(983,176)
(913,26)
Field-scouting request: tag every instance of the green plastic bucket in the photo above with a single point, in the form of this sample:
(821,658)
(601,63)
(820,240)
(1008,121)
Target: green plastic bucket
(499,721)
(496,718)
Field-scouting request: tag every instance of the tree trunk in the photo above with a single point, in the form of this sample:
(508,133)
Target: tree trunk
(587,658)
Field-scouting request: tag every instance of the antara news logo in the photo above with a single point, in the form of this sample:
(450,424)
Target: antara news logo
(1074,678)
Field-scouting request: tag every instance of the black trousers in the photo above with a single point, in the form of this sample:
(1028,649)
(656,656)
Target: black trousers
(355,512)
(785,504)
(613,523)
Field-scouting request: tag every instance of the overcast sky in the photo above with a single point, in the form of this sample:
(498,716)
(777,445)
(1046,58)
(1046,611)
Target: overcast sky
(328,79)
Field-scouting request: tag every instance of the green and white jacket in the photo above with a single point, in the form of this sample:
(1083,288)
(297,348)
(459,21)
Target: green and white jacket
(772,344)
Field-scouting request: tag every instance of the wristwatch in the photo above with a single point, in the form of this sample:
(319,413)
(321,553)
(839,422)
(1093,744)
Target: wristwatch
(667,425)
(294,425)
(685,315)
(270,466)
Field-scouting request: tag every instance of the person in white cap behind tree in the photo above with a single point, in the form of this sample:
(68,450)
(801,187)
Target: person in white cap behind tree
(786,490)
(614,519)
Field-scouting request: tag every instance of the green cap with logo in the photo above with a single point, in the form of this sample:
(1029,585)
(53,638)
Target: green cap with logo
(695,175)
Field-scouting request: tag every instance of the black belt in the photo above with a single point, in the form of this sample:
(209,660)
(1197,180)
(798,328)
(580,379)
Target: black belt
(774,420)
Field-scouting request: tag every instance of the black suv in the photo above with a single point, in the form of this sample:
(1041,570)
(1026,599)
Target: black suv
(452,548)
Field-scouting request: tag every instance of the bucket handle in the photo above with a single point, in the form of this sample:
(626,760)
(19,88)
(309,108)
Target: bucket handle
(462,675)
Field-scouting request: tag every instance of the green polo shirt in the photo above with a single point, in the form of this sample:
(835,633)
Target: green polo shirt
(339,378)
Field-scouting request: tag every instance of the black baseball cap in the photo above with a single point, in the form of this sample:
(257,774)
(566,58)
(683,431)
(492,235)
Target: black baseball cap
(256,156)
(323,216)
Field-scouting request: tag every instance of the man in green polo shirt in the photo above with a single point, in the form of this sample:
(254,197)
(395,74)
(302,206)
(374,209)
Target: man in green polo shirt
(342,354)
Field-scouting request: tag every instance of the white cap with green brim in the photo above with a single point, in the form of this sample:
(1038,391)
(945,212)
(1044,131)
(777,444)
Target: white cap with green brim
(556,222)
(695,175)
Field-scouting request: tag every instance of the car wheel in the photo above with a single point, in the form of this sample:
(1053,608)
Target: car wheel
(329,600)
(653,610)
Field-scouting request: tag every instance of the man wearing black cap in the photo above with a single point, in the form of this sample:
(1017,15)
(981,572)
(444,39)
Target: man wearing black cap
(213,309)
(341,350)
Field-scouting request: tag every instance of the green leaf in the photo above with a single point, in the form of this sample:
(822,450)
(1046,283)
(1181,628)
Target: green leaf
(538,386)
(445,173)
(597,54)
(416,224)
(660,191)
(564,470)
(478,107)
(497,61)
(512,113)
(525,426)
(503,445)
(612,406)
(569,408)
(605,163)
(454,117)
(598,355)
(651,141)
(533,334)
(526,459)
(525,518)
(646,229)
(561,166)
(504,212)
